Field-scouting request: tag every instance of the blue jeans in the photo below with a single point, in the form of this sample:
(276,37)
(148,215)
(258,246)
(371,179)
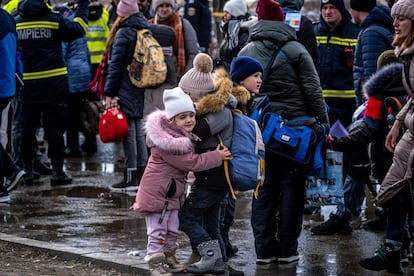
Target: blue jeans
(354,194)
(135,148)
(200,216)
(397,209)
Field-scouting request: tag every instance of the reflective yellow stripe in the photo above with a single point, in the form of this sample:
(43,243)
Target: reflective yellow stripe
(334,40)
(45,74)
(37,24)
(328,93)
(81,22)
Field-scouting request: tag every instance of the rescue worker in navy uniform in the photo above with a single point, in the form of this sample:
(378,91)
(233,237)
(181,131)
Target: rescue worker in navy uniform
(44,95)
(199,15)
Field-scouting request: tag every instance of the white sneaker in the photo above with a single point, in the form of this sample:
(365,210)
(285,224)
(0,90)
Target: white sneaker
(266,261)
(289,259)
(4,198)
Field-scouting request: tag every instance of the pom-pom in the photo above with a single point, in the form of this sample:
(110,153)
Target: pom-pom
(203,63)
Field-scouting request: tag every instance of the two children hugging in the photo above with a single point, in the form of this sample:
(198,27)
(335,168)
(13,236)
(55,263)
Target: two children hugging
(171,142)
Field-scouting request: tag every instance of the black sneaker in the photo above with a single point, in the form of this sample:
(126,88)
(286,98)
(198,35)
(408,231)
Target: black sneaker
(15,180)
(41,168)
(375,224)
(334,225)
(123,187)
(233,272)
(231,250)
(385,257)
(60,179)
(73,152)
(288,259)
(29,178)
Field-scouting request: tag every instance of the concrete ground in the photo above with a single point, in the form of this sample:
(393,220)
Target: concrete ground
(87,222)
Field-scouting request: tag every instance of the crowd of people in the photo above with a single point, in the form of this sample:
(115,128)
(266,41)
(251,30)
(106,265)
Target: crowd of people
(358,53)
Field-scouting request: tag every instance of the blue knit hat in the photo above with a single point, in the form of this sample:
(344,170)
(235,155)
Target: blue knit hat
(243,66)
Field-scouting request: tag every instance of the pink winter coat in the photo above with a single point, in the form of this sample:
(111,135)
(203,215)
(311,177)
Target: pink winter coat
(172,157)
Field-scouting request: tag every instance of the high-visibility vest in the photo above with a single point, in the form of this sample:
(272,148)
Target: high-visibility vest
(98,32)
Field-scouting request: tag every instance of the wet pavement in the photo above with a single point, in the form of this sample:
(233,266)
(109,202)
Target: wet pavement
(85,221)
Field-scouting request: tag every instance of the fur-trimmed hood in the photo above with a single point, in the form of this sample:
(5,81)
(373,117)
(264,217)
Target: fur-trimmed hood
(380,80)
(217,100)
(167,136)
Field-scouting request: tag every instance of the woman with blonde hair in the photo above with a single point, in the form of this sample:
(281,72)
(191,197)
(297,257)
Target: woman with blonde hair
(395,191)
(120,91)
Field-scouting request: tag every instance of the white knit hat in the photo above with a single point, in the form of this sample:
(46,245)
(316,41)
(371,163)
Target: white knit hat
(236,7)
(176,102)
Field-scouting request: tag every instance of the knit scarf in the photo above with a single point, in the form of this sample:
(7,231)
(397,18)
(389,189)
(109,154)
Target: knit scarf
(175,22)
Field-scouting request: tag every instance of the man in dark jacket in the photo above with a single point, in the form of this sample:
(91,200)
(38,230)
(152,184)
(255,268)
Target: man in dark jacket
(44,95)
(305,34)
(293,87)
(199,15)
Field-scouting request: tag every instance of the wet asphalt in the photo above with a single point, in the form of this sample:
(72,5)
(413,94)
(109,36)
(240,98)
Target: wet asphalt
(85,221)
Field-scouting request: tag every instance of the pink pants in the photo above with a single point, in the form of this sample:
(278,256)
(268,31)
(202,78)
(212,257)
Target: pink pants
(162,236)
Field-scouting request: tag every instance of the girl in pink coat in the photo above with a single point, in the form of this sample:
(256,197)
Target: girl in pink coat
(163,184)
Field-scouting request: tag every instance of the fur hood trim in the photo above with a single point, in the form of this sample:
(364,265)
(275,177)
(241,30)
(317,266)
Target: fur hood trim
(165,135)
(380,78)
(241,94)
(216,101)
(249,22)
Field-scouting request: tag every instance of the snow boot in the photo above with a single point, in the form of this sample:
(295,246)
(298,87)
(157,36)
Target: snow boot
(171,260)
(156,264)
(211,259)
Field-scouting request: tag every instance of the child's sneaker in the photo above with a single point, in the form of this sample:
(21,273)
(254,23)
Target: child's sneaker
(4,197)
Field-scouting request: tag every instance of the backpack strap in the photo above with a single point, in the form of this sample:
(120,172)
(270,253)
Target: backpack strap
(226,171)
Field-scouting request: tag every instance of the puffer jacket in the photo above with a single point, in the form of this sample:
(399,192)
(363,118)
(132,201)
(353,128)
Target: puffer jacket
(214,122)
(292,84)
(404,151)
(76,56)
(172,157)
(386,82)
(10,56)
(375,37)
(40,33)
(131,98)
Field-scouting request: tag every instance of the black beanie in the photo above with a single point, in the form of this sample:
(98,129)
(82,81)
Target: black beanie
(363,5)
(339,4)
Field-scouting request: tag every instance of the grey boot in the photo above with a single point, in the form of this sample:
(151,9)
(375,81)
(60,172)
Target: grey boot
(156,264)
(211,259)
(171,261)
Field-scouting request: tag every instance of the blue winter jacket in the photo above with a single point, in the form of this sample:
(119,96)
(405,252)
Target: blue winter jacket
(10,55)
(375,37)
(76,56)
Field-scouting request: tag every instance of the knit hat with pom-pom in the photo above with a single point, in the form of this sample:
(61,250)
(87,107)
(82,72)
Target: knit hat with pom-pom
(198,81)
